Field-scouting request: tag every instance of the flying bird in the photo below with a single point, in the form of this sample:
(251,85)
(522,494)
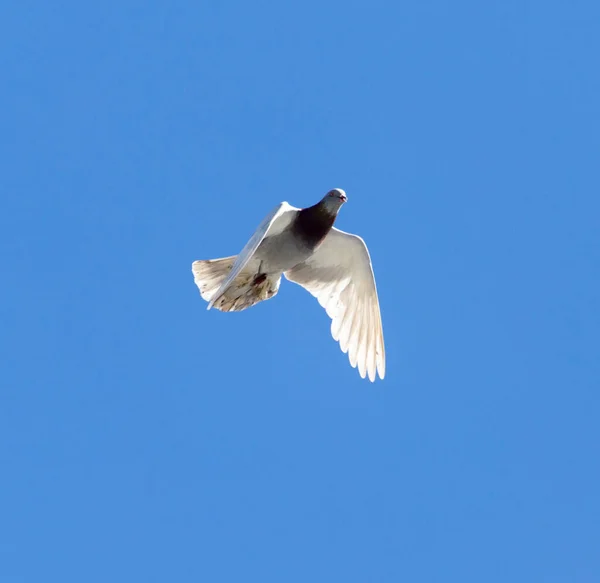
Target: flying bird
(332,265)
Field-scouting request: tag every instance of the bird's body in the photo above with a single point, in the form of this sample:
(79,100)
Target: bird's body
(278,253)
(303,245)
(283,250)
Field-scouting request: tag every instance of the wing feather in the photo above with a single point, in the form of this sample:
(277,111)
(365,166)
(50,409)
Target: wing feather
(275,222)
(340,275)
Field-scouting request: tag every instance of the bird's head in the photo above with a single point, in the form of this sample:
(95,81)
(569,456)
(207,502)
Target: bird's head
(334,200)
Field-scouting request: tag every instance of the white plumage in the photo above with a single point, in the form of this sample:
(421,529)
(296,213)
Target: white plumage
(273,224)
(332,265)
(339,274)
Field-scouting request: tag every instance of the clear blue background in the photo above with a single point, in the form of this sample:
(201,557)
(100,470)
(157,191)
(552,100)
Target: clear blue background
(143,438)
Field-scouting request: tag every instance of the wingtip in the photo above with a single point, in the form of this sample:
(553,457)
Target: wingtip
(213,300)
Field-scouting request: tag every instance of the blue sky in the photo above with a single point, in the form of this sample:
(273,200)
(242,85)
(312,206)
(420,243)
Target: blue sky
(143,438)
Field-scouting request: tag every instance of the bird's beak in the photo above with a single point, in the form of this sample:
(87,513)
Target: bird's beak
(343,197)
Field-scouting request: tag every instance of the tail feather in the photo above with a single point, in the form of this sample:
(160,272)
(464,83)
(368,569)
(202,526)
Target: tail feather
(209,274)
(245,291)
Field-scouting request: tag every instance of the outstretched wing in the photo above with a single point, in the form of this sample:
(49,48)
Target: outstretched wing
(275,222)
(339,274)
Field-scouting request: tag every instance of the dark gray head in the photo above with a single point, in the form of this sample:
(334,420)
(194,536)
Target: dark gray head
(313,223)
(334,200)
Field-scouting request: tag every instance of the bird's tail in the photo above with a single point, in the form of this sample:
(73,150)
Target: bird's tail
(247,289)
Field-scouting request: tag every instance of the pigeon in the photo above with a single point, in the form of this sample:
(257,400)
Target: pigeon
(305,247)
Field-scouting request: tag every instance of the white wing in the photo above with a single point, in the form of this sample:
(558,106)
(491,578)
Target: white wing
(275,222)
(339,274)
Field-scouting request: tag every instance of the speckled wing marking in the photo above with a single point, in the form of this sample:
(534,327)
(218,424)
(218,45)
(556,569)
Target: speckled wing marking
(275,222)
